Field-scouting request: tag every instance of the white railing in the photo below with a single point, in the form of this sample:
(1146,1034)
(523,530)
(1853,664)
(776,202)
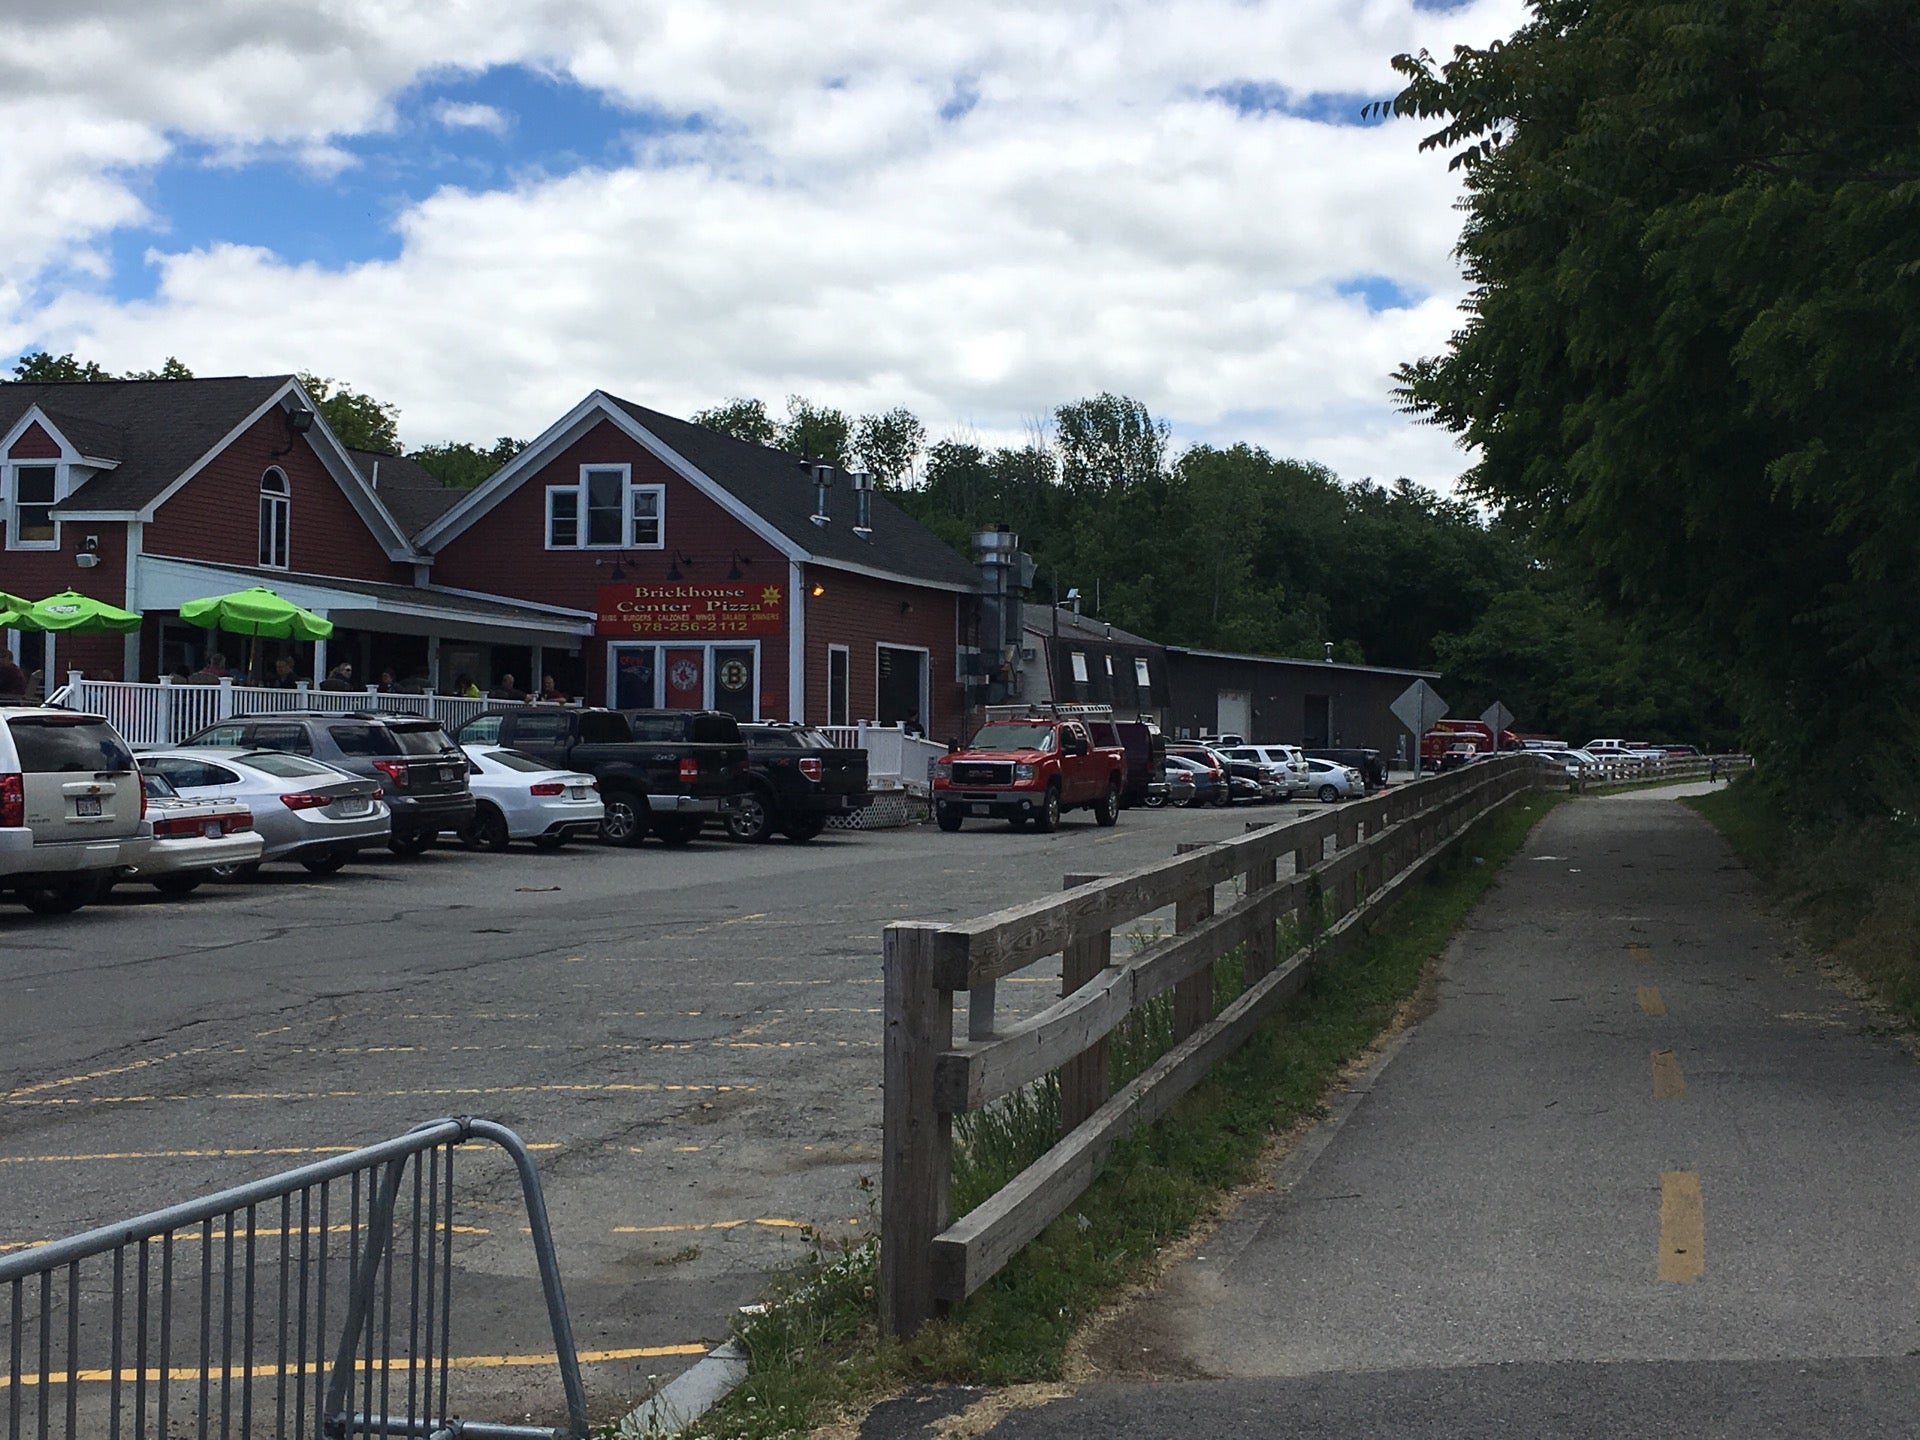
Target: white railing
(167,713)
(893,756)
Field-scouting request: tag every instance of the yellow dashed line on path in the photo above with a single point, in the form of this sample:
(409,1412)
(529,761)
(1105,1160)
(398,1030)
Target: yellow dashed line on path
(1683,1227)
(1650,1000)
(1668,1083)
(1641,953)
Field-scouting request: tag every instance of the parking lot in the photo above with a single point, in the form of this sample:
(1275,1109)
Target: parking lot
(690,1038)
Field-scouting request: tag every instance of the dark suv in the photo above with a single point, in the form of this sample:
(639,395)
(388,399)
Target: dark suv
(423,773)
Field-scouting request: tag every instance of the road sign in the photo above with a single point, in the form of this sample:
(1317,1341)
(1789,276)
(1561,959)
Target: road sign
(1418,708)
(1496,717)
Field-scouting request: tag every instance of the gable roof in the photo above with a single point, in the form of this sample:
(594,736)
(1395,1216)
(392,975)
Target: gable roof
(154,428)
(763,488)
(411,492)
(1064,623)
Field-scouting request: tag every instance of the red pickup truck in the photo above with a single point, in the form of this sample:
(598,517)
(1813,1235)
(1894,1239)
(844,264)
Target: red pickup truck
(1029,769)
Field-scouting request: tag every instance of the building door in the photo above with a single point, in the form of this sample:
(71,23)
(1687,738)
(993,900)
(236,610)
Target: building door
(686,671)
(1317,723)
(734,684)
(902,687)
(631,682)
(1234,714)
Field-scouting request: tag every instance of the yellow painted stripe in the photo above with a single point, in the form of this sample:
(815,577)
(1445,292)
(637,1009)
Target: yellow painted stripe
(192,1236)
(1641,953)
(98,1074)
(229,1154)
(181,1373)
(1668,1082)
(1650,1000)
(438,1091)
(1683,1227)
(768,1222)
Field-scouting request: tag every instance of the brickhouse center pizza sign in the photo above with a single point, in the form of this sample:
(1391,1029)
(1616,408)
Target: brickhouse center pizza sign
(688,609)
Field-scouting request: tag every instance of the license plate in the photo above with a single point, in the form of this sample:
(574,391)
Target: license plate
(211,830)
(86,805)
(577,792)
(983,809)
(356,806)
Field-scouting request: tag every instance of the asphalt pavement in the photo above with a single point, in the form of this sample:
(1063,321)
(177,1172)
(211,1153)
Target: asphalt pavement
(1645,1169)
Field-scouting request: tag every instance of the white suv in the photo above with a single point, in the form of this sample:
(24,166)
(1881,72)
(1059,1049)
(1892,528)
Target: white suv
(69,795)
(1290,758)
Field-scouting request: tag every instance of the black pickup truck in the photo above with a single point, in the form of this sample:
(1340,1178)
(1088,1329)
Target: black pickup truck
(668,771)
(800,781)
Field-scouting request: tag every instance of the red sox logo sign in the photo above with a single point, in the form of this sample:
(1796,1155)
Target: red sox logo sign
(684,675)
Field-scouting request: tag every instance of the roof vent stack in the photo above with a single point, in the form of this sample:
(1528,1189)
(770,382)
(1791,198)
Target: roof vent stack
(861,484)
(822,482)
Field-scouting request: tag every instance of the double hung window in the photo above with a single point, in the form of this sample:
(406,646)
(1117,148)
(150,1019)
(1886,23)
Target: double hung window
(30,522)
(605,510)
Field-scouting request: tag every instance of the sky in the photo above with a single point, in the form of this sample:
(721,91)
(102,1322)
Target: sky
(483,210)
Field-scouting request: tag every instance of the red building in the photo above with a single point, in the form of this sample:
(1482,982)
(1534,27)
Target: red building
(639,559)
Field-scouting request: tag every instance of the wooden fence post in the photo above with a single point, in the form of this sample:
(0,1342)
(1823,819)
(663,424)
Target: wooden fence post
(916,1160)
(1262,950)
(1083,1079)
(1193,996)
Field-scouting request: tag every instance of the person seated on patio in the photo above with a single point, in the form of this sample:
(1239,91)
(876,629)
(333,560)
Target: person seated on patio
(339,678)
(13,680)
(464,687)
(284,676)
(386,682)
(551,692)
(506,690)
(211,673)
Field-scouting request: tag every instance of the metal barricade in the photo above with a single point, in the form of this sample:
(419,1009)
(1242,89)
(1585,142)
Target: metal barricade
(316,1303)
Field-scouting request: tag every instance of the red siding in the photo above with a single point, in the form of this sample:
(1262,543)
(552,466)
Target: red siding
(863,613)
(35,444)
(215,516)
(504,552)
(36,574)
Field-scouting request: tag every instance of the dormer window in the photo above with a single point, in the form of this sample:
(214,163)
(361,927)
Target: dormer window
(605,510)
(30,502)
(276,520)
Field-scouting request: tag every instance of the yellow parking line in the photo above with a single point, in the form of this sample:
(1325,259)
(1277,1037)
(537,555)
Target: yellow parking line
(228,1154)
(1668,1083)
(1650,1000)
(438,1091)
(179,1373)
(219,1236)
(1641,953)
(1683,1227)
(767,1222)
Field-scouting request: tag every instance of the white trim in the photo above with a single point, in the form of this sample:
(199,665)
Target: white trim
(10,470)
(796,643)
(282,501)
(497,598)
(926,676)
(827,563)
(846,709)
(130,649)
(629,488)
(709,677)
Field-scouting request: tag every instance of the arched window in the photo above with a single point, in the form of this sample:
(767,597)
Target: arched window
(276,516)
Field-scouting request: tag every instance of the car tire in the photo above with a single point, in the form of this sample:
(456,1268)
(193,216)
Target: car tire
(413,843)
(1154,802)
(802,828)
(324,864)
(60,894)
(1108,810)
(174,886)
(243,870)
(487,832)
(1047,818)
(947,818)
(625,818)
(1328,794)
(676,830)
(751,821)
(1224,795)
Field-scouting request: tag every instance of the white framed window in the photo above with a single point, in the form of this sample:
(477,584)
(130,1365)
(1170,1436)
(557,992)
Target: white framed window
(33,492)
(839,684)
(1079,660)
(1109,667)
(276,520)
(605,510)
(1141,677)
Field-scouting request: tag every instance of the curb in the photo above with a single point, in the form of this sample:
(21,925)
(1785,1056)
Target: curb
(688,1396)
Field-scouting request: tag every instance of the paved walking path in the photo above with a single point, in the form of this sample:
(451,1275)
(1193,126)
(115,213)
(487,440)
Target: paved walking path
(1642,1170)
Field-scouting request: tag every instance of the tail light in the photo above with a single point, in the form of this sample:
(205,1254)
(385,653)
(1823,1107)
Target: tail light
(13,801)
(689,769)
(306,800)
(239,822)
(187,825)
(547,787)
(140,785)
(812,767)
(394,770)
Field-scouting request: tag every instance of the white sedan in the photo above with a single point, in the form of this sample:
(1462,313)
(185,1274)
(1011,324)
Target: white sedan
(1332,781)
(182,841)
(517,797)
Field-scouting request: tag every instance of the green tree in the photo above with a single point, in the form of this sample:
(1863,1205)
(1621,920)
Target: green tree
(40,368)
(1109,443)
(888,445)
(172,368)
(744,418)
(357,420)
(818,432)
(461,466)
(1691,364)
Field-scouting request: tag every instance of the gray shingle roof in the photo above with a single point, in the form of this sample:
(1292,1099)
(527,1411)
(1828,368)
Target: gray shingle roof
(770,483)
(409,491)
(155,428)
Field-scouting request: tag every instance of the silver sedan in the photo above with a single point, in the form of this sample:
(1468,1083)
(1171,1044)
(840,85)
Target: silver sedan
(304,810)
(1331,781)
(517,797)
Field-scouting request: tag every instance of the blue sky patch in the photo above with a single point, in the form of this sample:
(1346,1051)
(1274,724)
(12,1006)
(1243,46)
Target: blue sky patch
(1324,107)
(552,127)
(1380,292)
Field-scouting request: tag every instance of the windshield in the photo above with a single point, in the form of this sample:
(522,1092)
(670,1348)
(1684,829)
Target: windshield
(1014,737)
(427,739)
(57,744)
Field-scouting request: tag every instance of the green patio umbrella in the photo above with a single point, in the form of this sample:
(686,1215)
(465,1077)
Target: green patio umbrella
(256,611)
(69,610)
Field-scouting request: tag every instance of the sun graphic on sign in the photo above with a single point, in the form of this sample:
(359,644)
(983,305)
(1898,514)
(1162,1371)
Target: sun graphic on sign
(770,595)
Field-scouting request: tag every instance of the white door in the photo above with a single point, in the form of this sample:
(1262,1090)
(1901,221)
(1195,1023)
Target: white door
(1235,714)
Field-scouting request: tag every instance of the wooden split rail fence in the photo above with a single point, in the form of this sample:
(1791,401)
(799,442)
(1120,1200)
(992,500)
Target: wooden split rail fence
(929,1261)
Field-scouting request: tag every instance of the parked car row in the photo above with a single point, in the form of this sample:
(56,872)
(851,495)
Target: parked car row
(1199,774)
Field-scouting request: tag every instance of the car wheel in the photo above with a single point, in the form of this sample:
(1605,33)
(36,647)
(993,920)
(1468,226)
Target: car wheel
(548,842)
(803,828)
(487,832)
(242,870)
(1047,818)
(624,821)
(947,818)
(1224,795)
(676,830)
(60,895)
(412,843)
(1154,802)
(324,864)
(752,819)
(1328,794)
(184,884)
(1108,810)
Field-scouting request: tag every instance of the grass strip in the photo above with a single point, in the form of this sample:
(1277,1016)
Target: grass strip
(817,1351)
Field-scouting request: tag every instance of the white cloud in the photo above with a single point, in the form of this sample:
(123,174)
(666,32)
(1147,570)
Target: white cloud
(1094,221)
(473,116)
